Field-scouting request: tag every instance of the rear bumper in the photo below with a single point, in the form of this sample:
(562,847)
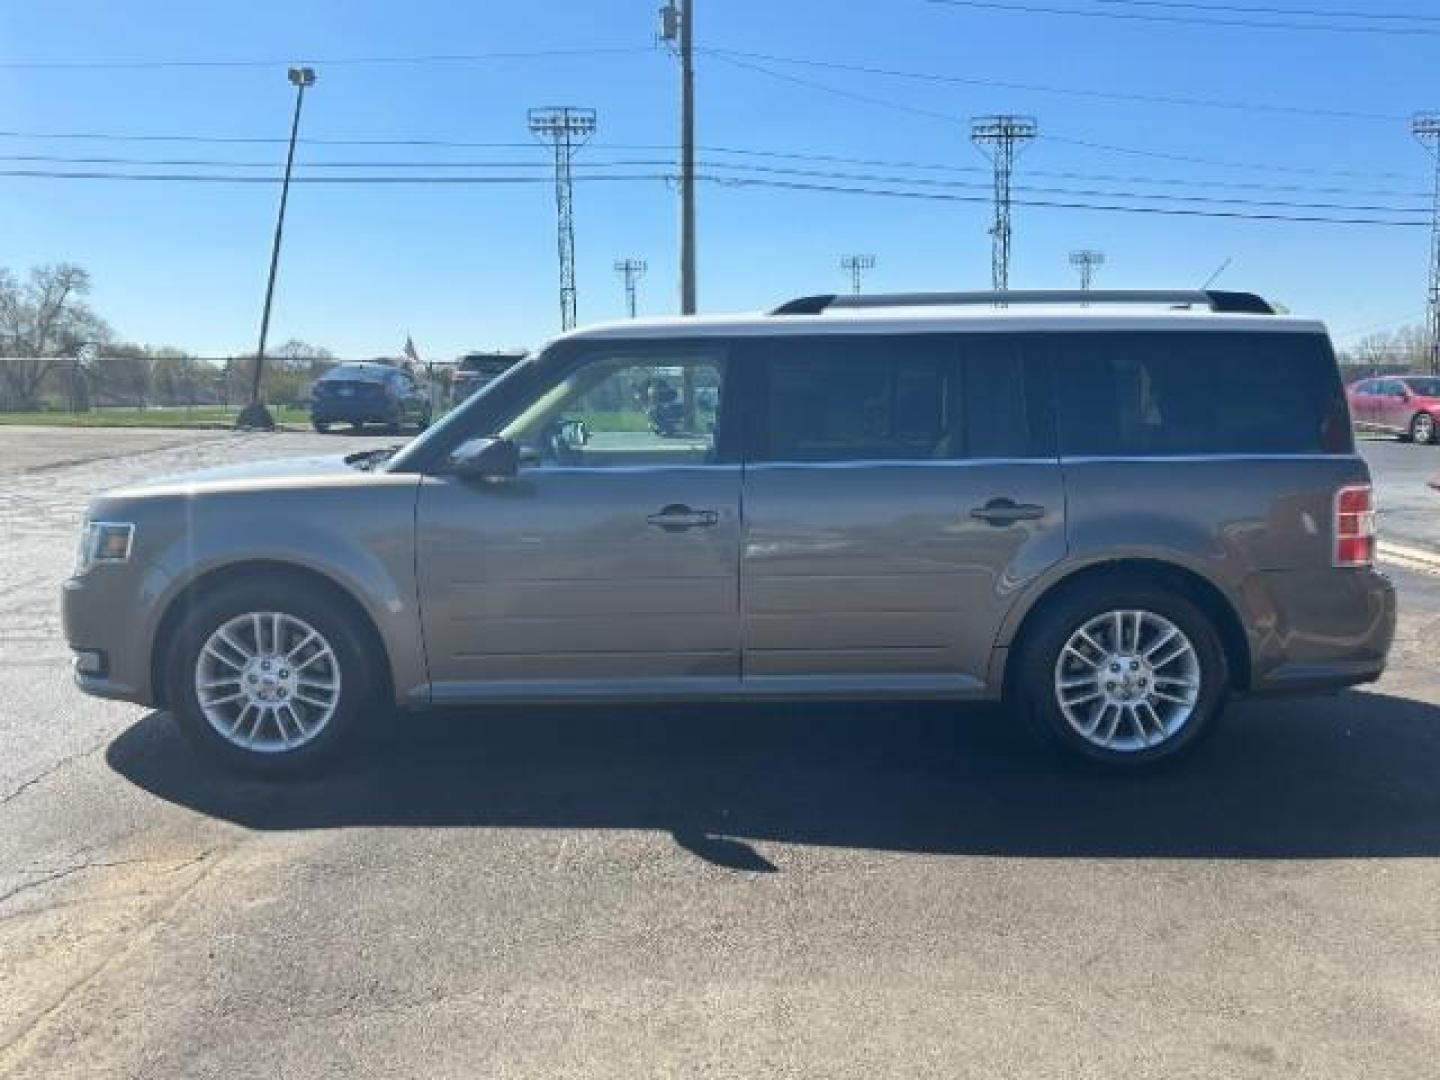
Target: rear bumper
(1319,631)
(368,412)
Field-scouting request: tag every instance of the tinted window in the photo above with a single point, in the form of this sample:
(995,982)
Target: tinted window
(854,398)
(1006,399)
(917,397)
(357,372)
(1424,387)
(1142,394)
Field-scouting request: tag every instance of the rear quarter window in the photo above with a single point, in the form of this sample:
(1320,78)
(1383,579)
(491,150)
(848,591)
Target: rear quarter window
(1215,392)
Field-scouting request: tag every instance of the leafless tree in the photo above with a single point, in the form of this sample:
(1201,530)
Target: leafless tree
(42,320)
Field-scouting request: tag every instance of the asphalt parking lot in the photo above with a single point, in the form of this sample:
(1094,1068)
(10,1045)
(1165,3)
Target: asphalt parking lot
(818,891)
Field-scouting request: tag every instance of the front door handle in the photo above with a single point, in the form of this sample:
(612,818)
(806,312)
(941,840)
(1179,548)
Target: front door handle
(1007,512)
(677,517)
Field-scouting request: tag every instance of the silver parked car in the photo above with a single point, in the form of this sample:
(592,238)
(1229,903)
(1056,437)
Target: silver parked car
(1112,516)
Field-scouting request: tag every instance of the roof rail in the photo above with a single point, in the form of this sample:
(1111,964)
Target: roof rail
(1207,298)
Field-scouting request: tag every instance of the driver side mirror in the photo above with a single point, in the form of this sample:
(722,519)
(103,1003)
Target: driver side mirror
(488,458)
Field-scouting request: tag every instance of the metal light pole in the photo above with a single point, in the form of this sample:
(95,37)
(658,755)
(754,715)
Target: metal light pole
(255,415)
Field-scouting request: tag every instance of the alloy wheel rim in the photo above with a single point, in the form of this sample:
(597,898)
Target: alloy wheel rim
(1424,428)
(267,681)
(1127,680)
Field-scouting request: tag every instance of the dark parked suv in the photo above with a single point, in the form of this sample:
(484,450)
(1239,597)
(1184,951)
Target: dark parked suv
(1112,515)
(368,393)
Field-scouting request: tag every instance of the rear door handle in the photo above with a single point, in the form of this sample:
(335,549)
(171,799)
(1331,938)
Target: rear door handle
(1007,512)
(677,517)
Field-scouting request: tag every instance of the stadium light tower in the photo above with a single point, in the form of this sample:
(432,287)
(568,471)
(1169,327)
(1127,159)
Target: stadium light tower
(632,270)
(1086,262)
(1001,139)
(856,266)
(566,128)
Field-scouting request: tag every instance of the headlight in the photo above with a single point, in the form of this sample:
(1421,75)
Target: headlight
(104,542)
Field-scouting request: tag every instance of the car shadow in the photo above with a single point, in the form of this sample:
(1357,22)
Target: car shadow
(1348,776)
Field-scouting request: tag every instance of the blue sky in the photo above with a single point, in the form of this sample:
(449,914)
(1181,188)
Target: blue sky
(463,266)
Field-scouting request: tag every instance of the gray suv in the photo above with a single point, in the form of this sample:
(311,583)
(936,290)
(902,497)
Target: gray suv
(1110,511)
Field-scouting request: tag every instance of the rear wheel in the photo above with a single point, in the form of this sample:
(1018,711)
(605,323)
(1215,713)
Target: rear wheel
(1422,428)
(1123,674)
(270,678)
(322,426)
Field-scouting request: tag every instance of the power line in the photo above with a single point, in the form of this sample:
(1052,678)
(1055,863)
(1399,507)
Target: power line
(331,61)
(733,181)
(747,174)
(579,172)
(888,103)
(1066,91)
(1251,9)
(1189,159)
(1192,20)
(868,99)
(584,168)
(938,196)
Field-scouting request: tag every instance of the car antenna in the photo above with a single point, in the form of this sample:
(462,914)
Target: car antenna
(1220,270)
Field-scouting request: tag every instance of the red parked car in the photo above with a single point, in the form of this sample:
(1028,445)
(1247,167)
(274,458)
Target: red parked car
(1405,405)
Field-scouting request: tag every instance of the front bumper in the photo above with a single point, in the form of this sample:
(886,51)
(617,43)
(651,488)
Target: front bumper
(95,610)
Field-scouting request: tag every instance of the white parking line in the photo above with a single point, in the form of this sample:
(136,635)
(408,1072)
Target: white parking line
(1411,558)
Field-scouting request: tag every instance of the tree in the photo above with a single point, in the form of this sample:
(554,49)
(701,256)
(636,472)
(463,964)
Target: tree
(41,320)
(289,371)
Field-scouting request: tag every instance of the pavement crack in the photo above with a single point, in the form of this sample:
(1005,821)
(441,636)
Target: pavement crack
(50,770)
(49,875)
(14,1049)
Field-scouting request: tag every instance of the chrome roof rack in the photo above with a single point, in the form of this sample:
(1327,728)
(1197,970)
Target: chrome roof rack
(1211,299)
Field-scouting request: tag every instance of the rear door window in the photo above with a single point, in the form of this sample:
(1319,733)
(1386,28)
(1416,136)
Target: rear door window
(1157,394)
(860,398)
(936,397)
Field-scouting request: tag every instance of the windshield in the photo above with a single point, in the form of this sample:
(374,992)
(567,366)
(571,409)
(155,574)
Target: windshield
(1425,387)
(463,418)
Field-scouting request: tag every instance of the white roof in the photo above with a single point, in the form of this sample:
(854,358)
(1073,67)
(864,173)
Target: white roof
(967,319)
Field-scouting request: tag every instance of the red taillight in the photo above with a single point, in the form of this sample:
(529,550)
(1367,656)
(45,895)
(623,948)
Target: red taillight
(1355,526)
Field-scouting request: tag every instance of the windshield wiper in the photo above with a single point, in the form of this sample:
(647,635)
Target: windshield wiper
(369,459)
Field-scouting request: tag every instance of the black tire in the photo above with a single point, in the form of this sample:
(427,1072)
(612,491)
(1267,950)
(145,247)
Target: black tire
(1033,678)
(319,610)
(322,426)
(424,421)
(1418,423)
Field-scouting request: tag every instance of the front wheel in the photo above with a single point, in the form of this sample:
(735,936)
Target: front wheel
(270,678)
(1422,428)
(321,426)
(1125,676)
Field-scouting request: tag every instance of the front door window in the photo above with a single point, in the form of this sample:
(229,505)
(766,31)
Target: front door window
(625,411)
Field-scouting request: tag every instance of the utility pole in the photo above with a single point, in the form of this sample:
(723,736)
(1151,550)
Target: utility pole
(1086,261)
(856,266)
(1426,128)
(1001,139)
(255,415)
(566,128)
(632,270)
(677,25)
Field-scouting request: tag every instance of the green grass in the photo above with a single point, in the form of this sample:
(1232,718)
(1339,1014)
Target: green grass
(200,416)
